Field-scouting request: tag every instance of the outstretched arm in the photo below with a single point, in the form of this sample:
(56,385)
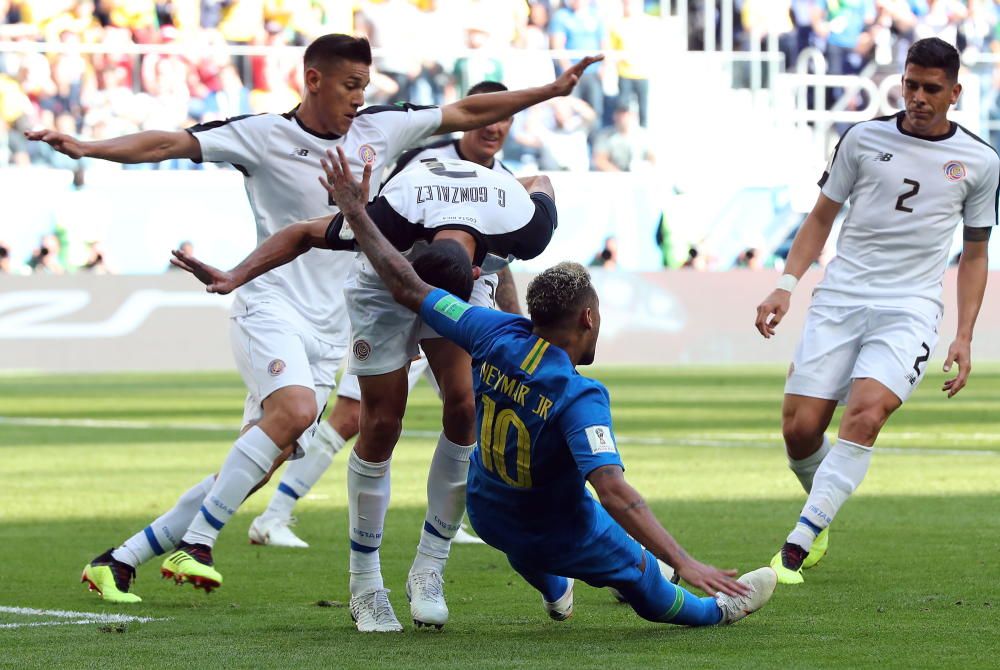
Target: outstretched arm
(477,111)
(397,273)
(284,246)
(627,507)
(150,146)
(973,271)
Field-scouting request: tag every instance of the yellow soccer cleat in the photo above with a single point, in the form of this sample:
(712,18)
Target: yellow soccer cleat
(787,564)
(192,563)
(110,578)
(818,550)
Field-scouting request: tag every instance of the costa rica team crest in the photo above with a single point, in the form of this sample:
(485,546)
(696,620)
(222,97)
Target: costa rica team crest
(362,350)
(366,153)
(954,171)
(276,367)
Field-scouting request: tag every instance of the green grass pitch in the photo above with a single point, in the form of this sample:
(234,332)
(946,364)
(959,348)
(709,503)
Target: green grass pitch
(911,580)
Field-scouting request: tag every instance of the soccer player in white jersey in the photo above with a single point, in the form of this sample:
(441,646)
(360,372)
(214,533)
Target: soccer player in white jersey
(451,213)
(872,325)
(289,329)
(273,526)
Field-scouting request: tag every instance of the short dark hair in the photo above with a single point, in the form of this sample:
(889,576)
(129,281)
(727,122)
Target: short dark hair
(446,265)
(935,52)
(328,49)
(487,87)
(559,293)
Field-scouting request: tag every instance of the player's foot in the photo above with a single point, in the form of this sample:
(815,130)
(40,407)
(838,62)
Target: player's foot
(665,570)
(275,531)
(761,582)
(372,612)
(425,591)
(818,550)
(192,563)
(110,578)
(465,537)
(787,563)
(561,609)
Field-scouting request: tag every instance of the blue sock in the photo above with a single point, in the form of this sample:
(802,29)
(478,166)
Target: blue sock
(656,599)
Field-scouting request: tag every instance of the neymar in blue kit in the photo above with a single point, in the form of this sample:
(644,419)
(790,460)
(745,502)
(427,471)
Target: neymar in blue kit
(545,431)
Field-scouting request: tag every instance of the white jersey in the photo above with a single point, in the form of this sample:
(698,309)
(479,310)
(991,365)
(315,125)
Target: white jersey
(443,148)
(907,195)
(434,194)
(280,161)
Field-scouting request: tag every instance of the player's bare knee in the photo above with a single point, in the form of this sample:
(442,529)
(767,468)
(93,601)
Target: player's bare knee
(802,434)
(381,428)
(862,424)
(346,417)
(459,415)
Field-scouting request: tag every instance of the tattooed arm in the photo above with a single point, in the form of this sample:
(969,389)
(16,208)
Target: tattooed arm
(397,273)
(627,507)
(507,293)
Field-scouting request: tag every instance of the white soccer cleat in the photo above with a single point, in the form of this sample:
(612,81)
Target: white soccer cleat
(665,570)
(275,531)
(561,609)
(425,591)
(372,612)
(465,537)
(761,582)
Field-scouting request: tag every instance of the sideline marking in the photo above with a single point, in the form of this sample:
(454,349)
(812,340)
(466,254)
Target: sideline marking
(68,618)
(737,441)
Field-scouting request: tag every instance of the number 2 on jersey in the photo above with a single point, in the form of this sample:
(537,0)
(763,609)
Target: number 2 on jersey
(438,168)
(909,194)
(493,443)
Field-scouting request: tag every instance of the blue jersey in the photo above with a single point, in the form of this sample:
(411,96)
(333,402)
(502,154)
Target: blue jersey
(542,426)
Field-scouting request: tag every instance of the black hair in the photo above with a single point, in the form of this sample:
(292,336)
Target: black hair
(445,264)
(328,49)
(558,294)
(487,87)
(935,52)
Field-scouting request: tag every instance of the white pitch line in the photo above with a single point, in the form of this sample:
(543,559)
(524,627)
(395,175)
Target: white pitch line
(737,441)
(68,618)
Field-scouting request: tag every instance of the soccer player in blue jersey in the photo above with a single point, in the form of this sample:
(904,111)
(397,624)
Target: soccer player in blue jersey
(544,432)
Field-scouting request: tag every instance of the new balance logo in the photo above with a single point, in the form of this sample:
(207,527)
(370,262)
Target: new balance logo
(299,152)
(882,157)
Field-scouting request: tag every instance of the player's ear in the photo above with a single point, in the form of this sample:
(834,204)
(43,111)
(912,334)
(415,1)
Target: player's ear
(956,92)
(587,318)
(477,272)
(313,77)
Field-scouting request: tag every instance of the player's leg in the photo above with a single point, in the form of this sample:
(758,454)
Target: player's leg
(818,378)
(275,364)
(446,481)
(112,573)
(383,402)
(557,592)
(890,365)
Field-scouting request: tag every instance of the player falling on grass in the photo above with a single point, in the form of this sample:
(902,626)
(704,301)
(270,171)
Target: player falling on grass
(289,328)
(479,146)
(449,213)
(544,432)
(873,321)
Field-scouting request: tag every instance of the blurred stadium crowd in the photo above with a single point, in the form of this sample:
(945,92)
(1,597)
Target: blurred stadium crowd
(603,127)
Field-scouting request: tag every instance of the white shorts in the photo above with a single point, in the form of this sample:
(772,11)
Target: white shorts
(273,351)
(349,387)
(841,344)
(384,334)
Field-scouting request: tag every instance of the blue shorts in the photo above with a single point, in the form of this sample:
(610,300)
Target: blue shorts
(605,555)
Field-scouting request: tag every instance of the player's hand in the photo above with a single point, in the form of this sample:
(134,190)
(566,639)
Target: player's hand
(710,579)
(567,81)
(772,311)
(959,353)
(64,144)
(350,196)
(214,279)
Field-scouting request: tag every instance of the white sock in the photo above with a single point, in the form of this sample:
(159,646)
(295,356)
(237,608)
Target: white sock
(840,473)
(302,474)
(248,461)
(368,499)
(805,468)
(445,504)
(164,534)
